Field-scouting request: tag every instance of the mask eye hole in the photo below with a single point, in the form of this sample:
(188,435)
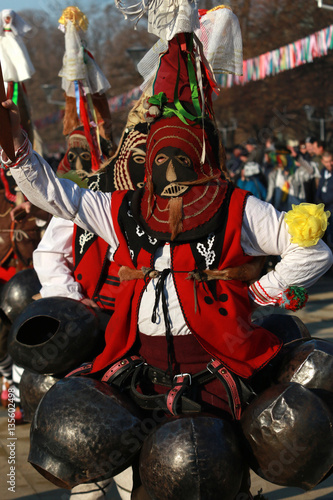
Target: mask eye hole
(184,160)
(71,156)
(139,159)
(85,156)
(160,159)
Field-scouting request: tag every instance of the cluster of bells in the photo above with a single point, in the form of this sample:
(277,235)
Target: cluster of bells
(83,430)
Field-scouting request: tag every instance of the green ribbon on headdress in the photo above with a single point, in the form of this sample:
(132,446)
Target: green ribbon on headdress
(158,99)
(15,93)
(180,111)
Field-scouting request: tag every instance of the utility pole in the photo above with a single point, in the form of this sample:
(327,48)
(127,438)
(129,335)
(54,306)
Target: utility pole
(322,5)
(48,90)
(309,110)
(225,128)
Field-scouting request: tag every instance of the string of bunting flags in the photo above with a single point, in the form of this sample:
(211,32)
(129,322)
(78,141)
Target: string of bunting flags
(289,56)
(271,63)
(124,100)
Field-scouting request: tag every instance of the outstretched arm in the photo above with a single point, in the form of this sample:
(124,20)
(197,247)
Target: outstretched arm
(60,197)
(265,232)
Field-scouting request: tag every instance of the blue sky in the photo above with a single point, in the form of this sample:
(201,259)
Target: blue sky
(52,6)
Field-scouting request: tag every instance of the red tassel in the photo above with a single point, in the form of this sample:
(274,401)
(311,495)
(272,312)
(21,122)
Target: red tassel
(10,197)
(95,164)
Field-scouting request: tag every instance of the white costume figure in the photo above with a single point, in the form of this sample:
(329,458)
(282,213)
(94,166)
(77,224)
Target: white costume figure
(166,18)
(221,38)
(78,63)
(14,57)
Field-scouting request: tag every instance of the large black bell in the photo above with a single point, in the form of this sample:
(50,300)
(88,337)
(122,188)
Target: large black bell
(286,327)
(33,387)
(289,432)
(194,457)
(310,364)
(291,330)
(83,431)
(54,335)
(17,293)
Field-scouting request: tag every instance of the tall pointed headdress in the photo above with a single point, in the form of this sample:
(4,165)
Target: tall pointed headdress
(182,120)
(84,84)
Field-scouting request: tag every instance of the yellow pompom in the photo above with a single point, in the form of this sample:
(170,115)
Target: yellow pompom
(307,223)
(74,15)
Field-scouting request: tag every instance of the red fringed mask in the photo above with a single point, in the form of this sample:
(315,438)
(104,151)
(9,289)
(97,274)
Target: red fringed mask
(184,188)
(180,193)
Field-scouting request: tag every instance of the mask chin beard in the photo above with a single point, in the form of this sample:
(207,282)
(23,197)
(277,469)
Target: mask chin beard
(175,216)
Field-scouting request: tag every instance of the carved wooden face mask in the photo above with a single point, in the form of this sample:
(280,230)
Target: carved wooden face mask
(78,155)
(79,159)
(129,160)
(171,167)
(175,171)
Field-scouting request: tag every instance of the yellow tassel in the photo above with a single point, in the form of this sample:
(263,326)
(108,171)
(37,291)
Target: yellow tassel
(74,15)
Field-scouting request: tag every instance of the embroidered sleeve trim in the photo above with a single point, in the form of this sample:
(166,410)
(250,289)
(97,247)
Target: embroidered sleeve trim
(21,154)
(261,297)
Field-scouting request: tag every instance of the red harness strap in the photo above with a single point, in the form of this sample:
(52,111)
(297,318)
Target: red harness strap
(183,381)
(124,367)
(230,385)
(85,368)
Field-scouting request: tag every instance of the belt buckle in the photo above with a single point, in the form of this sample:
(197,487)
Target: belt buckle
(135,363)
(182,375)
(211,368)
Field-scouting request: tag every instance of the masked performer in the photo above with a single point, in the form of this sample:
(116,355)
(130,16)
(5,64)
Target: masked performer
(85,86)
(173,239)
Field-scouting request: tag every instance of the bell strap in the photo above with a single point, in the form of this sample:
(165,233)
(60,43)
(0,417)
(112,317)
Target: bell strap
(121,370)
(180,386)
(85,368)
(237,391)
(177,403)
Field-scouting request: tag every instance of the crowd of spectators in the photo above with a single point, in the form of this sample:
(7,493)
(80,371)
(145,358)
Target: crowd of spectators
(285,174)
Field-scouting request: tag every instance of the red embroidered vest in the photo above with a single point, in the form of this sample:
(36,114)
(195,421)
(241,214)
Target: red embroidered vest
(94,271)
(222,323)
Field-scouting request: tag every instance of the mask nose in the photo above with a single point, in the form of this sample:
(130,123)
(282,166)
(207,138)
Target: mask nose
(78,164)
(171,175)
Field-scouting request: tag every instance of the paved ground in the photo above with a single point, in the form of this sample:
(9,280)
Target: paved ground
(29,485)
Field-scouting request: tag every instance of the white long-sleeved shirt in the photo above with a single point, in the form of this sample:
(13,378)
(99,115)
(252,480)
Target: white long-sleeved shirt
(53,261)
(264,232)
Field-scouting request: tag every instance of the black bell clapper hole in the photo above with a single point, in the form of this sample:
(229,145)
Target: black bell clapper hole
(37,330)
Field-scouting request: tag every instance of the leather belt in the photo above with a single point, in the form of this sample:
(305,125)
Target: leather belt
(173,402)
(127,373)
(122,370)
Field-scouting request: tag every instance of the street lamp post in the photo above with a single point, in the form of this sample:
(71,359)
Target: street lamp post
(48,89)
(136,54)
(309,111)
(225,128)
(322,5)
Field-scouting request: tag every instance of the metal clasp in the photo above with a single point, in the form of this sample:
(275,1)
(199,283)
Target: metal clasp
(182,375)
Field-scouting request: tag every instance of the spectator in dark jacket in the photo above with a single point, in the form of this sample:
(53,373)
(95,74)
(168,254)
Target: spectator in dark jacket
(250,180)
(325,192)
